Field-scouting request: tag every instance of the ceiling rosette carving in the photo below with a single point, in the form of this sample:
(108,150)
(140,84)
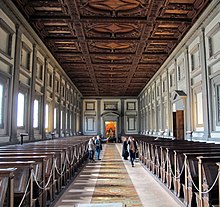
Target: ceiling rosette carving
(113,8)
(113,30)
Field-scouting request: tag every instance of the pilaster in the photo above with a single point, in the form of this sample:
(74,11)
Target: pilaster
(32,94)
(15,85)
(205,87)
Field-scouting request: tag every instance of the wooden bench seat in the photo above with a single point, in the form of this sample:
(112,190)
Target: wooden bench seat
(208,171)
(7,187)
(47,160)
(67,153)
(166,160)
(179,163)
(22,178)
(169,170)
(39,171)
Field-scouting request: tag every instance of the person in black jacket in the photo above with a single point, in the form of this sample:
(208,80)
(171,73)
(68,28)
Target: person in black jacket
(132,149)
(125,152)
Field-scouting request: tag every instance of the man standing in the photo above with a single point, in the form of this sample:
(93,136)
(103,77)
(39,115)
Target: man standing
(91,149)
(98,147)
(132,149)
(125,152)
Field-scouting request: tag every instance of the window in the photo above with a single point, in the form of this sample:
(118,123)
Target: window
(21,110)
(62,90)
(149,97)
(6,38)
(25,56)
(158,91)
(4,96)
(164,85)
(55,118)
(153,94)
(1,105)
(214,36)
(171,80)
(46,116)
(39,72)
(132,105)
(90,124)
(179,72)
(36,114)
(66,120)
(199,108)
(131,123)
(195,59)
(49,80)
(61,120)
(218,103)
(57,85)
(71,121)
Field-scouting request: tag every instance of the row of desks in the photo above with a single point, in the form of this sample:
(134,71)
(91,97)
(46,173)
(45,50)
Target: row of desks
(34,174)
(189,169)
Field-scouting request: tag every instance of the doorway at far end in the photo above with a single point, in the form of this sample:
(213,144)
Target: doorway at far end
(111,130)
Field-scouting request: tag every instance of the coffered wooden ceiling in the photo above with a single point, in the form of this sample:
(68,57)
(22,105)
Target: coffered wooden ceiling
(111,47)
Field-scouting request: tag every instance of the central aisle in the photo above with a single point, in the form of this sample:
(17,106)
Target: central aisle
(114,184)
(112,180)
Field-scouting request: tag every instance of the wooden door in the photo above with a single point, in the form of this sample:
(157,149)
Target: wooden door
(174,125)
(180,125)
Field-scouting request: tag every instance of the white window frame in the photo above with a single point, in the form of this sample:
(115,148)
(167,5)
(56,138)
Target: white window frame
(19,109)
(5,100)
(36,117)
(196,104)
(10,33)
(215,82)
(46,117)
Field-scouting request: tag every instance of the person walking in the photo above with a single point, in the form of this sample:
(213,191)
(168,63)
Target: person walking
(98,147)
(125,152)
(91,149)
(132,149)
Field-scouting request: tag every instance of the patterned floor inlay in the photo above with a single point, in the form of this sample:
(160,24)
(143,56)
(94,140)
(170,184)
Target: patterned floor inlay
(114,184)
(113,181)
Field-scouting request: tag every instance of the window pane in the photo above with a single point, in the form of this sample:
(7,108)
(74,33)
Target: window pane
(70,121)
(66,120)
(61,120)
(199,108)
(218,102)
(5,38)
(215,39)
(20,110)
(36,113)
(55,118)
(46,116)
(1,105)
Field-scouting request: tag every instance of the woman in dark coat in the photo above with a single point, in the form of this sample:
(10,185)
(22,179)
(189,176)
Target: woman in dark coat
(125,152)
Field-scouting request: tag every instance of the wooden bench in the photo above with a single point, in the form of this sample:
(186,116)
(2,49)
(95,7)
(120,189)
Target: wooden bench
(40,195)
(47,159)
(178,169)
(166,159)
(208,171)
(170,167)
(22,179)
(192,175)
(7,187)
(68,153)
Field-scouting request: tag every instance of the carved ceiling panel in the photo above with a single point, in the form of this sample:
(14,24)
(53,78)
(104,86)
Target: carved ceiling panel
(113,30)
(107,59)
(111,47)
(113,8)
